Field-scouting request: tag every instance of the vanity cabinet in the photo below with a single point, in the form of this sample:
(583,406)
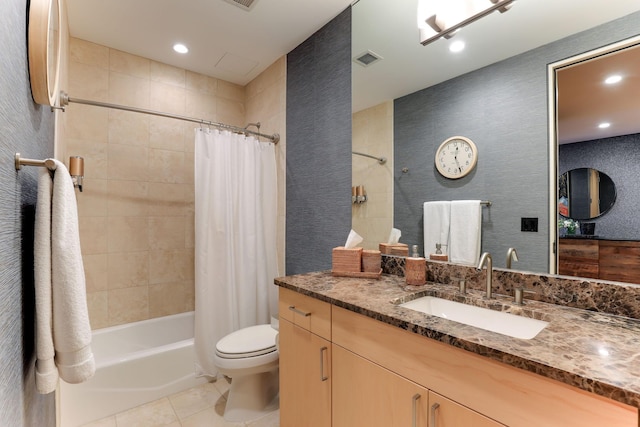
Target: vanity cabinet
(364,372)
(617,260)
(305,361)
(578,257)
(473,390)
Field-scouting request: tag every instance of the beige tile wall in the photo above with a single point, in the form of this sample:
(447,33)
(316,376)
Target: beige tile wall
(137,211)
(266,103)
(372,134)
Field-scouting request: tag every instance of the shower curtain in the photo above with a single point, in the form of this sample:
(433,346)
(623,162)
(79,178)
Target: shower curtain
(235,226)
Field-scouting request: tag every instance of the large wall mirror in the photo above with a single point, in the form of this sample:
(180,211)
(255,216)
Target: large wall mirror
(496,93)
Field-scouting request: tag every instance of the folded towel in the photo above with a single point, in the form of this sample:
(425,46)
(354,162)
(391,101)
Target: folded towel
(436,226)
(465,236)
(46,371)
(64,295)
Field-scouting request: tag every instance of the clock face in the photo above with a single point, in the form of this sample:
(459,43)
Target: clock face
(456,157)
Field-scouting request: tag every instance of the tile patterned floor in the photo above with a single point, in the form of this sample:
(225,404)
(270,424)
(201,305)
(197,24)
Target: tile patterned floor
(200,406)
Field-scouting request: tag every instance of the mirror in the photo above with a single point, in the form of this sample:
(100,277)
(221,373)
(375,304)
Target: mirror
(585,194)
(502,106)
(44,41)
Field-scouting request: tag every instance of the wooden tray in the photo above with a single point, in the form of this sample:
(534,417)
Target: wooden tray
(359,275)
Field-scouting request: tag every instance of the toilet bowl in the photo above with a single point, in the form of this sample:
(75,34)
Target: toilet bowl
(250,358)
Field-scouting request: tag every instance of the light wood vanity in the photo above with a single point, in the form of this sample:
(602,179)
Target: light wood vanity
(344,369)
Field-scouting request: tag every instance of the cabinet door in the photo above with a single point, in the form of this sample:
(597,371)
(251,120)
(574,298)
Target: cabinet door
(305,378)
(447,413)
(365,394)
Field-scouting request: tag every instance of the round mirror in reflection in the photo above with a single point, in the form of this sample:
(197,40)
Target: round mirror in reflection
(585,193)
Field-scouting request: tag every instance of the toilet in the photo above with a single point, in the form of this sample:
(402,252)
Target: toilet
(249,357)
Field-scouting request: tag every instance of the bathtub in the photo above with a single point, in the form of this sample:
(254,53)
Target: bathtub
(136,363)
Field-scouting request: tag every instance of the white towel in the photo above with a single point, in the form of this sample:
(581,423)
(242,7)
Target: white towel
(46,371)
(465,235)
(67,306)
(436,226)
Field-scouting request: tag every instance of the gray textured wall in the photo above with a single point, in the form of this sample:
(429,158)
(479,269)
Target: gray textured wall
(618,157)
(319,146)
(26,128)
(503,109)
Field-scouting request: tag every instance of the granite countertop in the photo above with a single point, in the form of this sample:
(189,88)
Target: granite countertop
(596,352)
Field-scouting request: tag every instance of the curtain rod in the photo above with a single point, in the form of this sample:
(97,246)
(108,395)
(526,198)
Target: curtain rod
(381,160)
(65,99)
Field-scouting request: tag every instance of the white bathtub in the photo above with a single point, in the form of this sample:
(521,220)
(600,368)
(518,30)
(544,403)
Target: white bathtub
(135,363)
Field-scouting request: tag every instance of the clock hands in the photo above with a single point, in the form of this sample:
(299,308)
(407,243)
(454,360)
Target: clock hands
(455,157)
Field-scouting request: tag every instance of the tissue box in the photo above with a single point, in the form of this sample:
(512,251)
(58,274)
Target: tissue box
(399,249)
(415,271)
(346,260)
(371,261)
(394,249)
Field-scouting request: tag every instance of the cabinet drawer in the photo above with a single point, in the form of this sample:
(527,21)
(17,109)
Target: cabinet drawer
(308,313)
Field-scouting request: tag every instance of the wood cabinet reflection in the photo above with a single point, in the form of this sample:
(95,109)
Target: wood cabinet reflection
(616,260)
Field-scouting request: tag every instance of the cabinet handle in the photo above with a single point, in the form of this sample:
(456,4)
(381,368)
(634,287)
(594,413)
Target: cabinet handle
(322,376)
(416,397)
(298,311)
(434,408)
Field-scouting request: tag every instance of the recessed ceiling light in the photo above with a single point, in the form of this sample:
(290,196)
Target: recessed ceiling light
(456,46)
(180,48)
(613,79)
(604,125)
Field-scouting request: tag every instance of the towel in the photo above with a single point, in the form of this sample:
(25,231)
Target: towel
(436,226)
(60,293)
(465,235)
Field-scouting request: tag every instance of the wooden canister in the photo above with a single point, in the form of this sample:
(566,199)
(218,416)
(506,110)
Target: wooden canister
(415,271)
(371,261)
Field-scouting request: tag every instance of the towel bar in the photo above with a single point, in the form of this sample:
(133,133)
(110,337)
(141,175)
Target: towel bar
(48,163)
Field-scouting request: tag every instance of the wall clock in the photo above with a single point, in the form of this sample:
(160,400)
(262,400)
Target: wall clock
(456,157)
(44,40)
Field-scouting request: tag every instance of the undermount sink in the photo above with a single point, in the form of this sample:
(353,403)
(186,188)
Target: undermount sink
(484,318)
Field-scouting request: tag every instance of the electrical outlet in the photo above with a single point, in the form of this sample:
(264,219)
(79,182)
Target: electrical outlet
(529,224)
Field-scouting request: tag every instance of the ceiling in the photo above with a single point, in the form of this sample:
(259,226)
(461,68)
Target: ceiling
(585,101)
(225,41)
(230,43)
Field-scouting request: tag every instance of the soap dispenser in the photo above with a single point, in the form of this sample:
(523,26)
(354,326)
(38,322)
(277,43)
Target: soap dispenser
(438,255)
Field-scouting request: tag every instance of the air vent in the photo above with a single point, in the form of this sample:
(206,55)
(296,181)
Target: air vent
(243,4)
(367,58)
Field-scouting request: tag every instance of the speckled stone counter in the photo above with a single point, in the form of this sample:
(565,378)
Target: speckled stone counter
(596,352)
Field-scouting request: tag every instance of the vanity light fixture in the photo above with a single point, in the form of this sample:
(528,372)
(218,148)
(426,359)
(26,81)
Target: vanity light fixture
(613,79)
(604,125)
(442,19)
(180,48)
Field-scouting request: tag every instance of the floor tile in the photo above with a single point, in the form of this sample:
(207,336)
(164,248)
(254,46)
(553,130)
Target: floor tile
(269,420)
(156,413)
(208,418)
(105,422)
(194,400)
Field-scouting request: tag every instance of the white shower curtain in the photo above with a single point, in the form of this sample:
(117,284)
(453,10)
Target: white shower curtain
(235,226)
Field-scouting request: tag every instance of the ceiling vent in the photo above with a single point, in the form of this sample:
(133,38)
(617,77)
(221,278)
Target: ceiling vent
(367,58)
(243,4)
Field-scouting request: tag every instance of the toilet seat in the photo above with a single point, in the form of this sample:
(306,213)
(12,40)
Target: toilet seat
(249,342)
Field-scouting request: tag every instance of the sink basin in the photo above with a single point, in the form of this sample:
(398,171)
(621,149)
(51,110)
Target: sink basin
(484,318)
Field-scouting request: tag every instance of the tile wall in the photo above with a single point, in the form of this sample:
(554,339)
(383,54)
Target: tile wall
(373,134)
(137,210)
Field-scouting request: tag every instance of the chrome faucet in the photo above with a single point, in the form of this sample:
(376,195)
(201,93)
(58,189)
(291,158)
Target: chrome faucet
(511,255)
(486,259)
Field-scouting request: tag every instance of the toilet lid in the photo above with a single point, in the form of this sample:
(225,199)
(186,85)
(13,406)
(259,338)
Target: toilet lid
(248,342)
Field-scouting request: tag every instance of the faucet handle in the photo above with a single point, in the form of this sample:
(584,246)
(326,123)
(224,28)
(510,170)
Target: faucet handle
(518,295)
